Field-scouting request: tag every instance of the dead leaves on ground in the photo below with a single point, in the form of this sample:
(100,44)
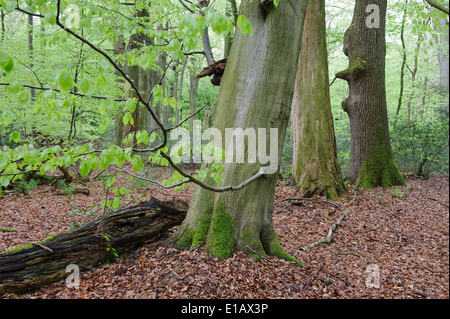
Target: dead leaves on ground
(402,230)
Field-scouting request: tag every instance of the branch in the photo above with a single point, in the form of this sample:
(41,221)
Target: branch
(186,6)
(438,6)
(73,93)
(211,188)
(153,181)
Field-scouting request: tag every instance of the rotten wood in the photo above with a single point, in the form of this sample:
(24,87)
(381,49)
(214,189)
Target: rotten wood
(45,262)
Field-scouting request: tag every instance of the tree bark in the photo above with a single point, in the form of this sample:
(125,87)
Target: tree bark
(193,88)
(39,264)
(256,92)
(315,169)
(443,60)
(372,162)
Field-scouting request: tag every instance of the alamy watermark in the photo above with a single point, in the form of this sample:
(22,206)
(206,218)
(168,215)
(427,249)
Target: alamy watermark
(73,280)
(373,276)
(373,19)
(252,146)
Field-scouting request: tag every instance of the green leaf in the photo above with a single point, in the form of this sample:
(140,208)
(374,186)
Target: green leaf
(122,191)
(244,25)
(50,17)
(15,136)
(102,83)
(85,168)
(131,105)
(65,81)
(84,86)
(102,128)
(128,118)
(6,62)
(145,61)
(116,203)
(24,96)
(14,88)
(276,2)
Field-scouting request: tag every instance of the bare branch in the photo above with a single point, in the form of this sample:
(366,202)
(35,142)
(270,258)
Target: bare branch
(70,92)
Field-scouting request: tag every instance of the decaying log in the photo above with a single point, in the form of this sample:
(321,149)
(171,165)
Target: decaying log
(121,232)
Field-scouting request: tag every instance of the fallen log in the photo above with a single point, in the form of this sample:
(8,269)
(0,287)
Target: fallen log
(39,264)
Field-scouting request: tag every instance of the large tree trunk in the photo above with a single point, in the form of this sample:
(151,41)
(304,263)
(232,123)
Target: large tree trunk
(256,92)
(45,262)
(372,162)
(315,168)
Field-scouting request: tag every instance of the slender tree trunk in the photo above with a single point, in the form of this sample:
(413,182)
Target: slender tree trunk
(413,79)
(372,162)
(315,168)
(180,90)
(443,59)
(119,48)
(402,70)
(256,92)
(193,88)
(230,11)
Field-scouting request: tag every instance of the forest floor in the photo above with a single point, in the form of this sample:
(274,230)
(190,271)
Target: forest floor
(402,231)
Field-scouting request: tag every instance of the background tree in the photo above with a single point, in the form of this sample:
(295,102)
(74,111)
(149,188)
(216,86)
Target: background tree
(372,162)
(315,168)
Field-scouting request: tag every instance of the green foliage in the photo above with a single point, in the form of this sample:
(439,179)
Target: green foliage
(420,145)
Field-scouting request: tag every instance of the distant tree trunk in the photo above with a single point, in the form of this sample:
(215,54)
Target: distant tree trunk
(402,70)
(180,90)
(230,11)
(31,65)
(443,59)
(372,161)
(119,48)
(193,88)
(413,79)
(256,93)
(315,168)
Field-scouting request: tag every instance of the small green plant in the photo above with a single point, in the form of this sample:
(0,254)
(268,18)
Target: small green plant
(109,247)
(396,192)
(66,189)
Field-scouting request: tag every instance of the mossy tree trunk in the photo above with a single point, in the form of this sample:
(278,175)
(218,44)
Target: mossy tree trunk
(256,92)
(372,162)
(315,168)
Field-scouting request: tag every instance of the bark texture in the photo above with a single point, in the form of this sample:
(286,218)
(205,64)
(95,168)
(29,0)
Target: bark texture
(256,92)
(315,168)
(39,264)
(372,162)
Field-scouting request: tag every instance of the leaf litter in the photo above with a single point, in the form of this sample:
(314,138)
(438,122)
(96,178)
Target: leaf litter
(404,231)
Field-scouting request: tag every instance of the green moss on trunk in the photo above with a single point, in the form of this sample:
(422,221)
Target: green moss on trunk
(220,236)
(379,169)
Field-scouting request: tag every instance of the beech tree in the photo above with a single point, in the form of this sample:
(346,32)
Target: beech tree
(256,92)
(315,169)
(372,161)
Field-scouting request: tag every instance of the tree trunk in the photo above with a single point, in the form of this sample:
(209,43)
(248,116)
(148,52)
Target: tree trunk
(193,88)
(256,92)
(119,48)
(402,70)
(443,59)
(37,265)
(315,168)
(372,162)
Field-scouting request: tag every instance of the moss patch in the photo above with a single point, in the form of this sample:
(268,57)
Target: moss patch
(28,245)
(219,242)
(273,248)
(254,242)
